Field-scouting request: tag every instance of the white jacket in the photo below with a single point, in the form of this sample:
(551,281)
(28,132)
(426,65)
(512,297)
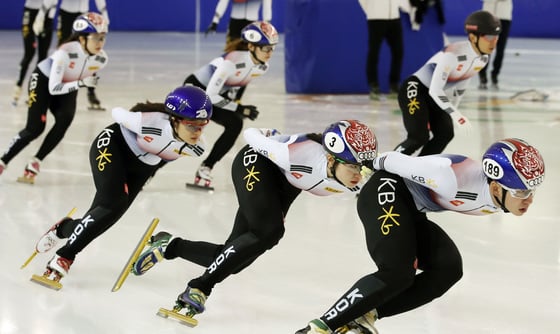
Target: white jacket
(381,9)
(502,9)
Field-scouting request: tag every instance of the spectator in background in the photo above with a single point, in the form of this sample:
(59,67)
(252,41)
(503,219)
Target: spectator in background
(384,23)
(32,42)
(243,12)
(502,9)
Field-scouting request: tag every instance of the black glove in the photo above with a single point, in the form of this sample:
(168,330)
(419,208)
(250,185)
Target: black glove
(211,28)
(248,111)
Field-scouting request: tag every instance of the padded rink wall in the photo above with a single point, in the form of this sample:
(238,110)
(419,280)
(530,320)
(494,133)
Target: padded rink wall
(326,47)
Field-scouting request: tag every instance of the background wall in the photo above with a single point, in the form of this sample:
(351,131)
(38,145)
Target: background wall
(532,18)
(325,40)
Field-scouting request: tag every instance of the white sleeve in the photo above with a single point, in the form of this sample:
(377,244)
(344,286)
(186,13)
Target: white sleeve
(60,60)
(130,120)
(431,171)
(277,152)
(220,10)
(267,10)
(223,71)
(445,63)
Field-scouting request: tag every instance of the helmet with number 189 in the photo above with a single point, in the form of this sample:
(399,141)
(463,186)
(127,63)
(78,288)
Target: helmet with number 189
(90,23)
(514,164)
(189,102)
(350,141)
(260,33)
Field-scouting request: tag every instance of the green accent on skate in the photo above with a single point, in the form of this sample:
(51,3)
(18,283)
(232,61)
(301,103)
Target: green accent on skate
(135,254)
(49,283)
(182,318)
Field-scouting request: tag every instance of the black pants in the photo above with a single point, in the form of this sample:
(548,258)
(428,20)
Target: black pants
(499,56)
(63,108)
(390,31)
(32,43)
(400,240)
(264,197)
(231,121)
(422,116)
(118,177)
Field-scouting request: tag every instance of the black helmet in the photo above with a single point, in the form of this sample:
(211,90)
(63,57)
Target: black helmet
(482,23)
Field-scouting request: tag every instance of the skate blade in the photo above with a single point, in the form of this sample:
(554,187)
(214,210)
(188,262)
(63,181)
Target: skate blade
(135,254)
(96,109)
(29,259)
(28,180)
(199,187)
(49,283)
(183,319)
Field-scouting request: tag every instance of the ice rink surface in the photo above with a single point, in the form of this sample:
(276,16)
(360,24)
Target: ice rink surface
(511,282)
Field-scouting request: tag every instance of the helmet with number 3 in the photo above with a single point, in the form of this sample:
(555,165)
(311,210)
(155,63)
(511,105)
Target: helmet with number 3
(90,23)
(189,102)
(514,164)
(260,33)
(350,141)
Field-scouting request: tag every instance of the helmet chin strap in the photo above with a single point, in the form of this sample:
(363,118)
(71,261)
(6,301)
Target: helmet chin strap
(503,201)
(477,47)
(333,171)
(254,54)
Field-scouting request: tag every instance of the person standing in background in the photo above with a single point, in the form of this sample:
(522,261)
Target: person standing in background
(384,23)
(503,10)
(31,41)
(69,11)
(243,12)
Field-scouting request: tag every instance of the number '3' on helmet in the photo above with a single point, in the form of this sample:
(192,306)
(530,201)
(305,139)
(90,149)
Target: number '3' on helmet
(90,23)
(189,102)
(514,163)
(260,33)
(350,141)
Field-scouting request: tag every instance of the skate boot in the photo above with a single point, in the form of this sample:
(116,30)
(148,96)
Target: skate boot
(361,325)
(16,95)
(50,239)
(94,103)
(193,300)
(154,254)
(203,174)
(30,172)
(56,269)
(316,326)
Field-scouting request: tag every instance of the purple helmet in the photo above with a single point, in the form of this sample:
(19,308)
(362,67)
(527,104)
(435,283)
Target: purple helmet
(514,164)
(350,141)
(90,23)
(260,33)
(189,102)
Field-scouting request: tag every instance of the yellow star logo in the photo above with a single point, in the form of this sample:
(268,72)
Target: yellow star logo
(386,226)
(413,105)
(251,178)
(103,159)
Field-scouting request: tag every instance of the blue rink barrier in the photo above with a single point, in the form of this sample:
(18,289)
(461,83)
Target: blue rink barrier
(326,47)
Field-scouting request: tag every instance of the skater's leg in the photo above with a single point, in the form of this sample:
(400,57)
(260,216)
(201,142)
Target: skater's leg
(259,222)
